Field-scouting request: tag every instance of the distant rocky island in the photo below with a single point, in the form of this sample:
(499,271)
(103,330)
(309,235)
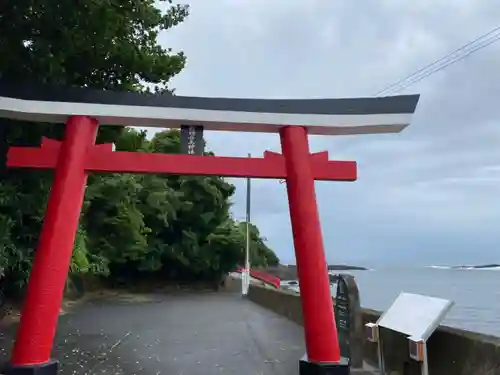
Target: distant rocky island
(289,272)
(493,265)
(343,267)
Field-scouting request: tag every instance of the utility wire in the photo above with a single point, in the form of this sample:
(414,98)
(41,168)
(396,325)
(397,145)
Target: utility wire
(418,79)
(440,60)
(444,62)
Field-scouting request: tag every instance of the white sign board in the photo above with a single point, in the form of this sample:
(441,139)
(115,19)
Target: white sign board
(415,315)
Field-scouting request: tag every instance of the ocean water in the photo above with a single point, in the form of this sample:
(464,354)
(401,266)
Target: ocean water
(476,292)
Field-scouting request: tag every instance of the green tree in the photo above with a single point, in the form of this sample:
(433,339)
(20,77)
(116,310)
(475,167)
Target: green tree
(190,233)
(173,226)
(185,214)
(109,45)
(260,254)
(103,44)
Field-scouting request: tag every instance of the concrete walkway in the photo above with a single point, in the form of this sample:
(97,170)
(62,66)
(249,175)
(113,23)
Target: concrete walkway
(185,334)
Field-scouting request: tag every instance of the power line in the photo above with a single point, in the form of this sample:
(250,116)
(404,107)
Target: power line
(440,60)
(444,62)
(418,79)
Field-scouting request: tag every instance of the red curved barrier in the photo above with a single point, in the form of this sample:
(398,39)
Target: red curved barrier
(263,276)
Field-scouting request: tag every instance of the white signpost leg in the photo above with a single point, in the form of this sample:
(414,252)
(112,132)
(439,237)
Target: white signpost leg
(245,275)
(425,365)
(381,364)
(245,282)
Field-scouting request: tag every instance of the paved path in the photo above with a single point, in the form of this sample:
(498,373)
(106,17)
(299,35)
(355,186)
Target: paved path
(185,334)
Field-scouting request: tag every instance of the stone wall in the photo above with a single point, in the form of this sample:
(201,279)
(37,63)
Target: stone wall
(451,351)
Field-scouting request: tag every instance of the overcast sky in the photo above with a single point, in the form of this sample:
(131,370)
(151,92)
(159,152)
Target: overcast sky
(430,195)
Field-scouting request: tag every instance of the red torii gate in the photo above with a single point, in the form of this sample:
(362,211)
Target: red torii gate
(83,110)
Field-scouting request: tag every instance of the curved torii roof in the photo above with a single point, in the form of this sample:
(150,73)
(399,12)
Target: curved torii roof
(321,116)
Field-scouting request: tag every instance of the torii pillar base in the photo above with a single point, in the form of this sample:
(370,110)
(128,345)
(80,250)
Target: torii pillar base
(47,368)
(311,368)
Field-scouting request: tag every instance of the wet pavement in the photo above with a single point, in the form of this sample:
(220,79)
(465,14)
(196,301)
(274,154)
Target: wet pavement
(184,334)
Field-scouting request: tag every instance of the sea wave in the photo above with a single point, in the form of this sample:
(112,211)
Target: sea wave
(466,268)
(337,272)
(497,268)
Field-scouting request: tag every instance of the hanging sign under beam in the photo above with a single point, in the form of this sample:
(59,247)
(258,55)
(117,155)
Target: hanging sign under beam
(192,142)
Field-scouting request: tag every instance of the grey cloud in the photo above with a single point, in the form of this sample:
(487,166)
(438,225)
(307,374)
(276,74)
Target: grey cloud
(427,195)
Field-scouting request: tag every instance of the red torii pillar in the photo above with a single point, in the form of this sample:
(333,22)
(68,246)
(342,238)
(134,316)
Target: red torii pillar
(77,154)
(319,321)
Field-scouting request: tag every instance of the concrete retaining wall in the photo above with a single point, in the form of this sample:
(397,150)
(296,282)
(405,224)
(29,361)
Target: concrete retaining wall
(451,351)
(232,285)
(281,302)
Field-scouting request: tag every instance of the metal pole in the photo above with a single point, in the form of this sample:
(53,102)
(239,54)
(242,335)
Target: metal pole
(246,275)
